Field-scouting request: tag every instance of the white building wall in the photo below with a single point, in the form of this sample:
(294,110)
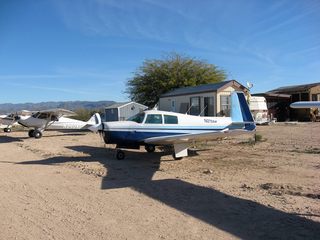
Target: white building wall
(165,103)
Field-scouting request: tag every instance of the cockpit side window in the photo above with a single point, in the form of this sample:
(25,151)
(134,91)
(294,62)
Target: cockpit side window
(35,115)
(138,118)
(43,116)
(169,119)
(154,119)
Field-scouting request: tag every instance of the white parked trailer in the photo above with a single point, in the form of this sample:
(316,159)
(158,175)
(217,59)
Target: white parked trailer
(259,110)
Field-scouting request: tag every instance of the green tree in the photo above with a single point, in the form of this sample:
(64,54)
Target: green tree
(158,76)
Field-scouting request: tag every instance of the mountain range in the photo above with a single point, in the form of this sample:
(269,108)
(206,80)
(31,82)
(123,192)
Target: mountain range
(70,105)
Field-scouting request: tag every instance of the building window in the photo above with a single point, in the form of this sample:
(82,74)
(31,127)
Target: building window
(168,119)
(209,106)
(225,105)
(195,105)
(304,96)
(154,119)
(314,97)
(295,97)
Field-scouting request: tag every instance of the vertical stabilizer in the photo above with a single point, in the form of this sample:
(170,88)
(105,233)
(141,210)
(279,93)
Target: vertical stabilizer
(240,111)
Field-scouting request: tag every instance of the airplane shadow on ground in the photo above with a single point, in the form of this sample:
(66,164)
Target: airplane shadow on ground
(243,218)
(8,139)
(63,134)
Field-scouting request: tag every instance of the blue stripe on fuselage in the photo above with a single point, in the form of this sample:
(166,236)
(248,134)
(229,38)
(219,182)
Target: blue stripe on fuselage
(133,136)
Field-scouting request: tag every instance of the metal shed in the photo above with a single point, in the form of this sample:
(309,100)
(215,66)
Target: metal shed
(123,111)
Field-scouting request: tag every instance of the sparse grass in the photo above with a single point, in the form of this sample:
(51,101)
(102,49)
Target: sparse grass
(255,139)
(258,138)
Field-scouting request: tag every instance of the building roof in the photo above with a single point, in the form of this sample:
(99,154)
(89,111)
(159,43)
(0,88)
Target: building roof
(294,88)
(270,94)
(123,104)
(201,88)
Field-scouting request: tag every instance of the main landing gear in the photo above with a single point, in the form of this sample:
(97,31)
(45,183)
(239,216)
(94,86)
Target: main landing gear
(150,148)
(7,130)
(35,133)
(120,155)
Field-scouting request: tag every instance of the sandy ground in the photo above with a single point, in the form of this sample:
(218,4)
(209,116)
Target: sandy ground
(69,186)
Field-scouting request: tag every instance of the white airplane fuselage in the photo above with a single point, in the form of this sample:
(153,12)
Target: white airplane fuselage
(131,132)
(153,127)
(63,123)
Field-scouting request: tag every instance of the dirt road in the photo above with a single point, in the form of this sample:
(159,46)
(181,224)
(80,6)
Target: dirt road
(71,187)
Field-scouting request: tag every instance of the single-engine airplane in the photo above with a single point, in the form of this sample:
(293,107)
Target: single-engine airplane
(153,128)
(305,104)
(9,120)
(6,122)
(53,119)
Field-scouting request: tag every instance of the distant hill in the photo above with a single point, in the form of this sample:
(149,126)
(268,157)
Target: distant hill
(70,105)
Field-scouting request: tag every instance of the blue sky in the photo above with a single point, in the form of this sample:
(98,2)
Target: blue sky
(86,50)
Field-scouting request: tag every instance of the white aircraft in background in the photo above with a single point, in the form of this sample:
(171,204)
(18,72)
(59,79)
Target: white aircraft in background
(306,104)
(6,122)
(53,119)
(153,127)
(9,120)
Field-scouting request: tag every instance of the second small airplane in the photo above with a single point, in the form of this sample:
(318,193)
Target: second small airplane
(53,119)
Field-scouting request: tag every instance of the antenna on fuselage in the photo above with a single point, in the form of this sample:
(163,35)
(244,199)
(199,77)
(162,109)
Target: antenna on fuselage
(202,110)
(189,109)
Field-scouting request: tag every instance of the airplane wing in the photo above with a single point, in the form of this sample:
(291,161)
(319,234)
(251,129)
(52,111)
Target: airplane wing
(306,104)
(25,113)
(185,138)
(59,112)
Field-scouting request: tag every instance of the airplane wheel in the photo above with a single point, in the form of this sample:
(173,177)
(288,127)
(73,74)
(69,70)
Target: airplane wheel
(31,133)
(176,158)
(150,148)
(120,155)
(37,134)
(7,130)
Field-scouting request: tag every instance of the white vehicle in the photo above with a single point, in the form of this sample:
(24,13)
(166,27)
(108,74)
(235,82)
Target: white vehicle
(54,119)
(154,127)
(259,110)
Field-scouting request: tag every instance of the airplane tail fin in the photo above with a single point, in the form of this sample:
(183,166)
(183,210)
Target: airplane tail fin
(95,119)
(240,112)
(95,122)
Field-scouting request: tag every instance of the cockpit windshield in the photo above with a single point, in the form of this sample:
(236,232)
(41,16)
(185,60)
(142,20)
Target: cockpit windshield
(138,118)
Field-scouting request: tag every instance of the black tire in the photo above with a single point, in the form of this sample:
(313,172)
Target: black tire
(37,134)
(31,133)
(120,155)
(150,148)
(176,158)
(7,130)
